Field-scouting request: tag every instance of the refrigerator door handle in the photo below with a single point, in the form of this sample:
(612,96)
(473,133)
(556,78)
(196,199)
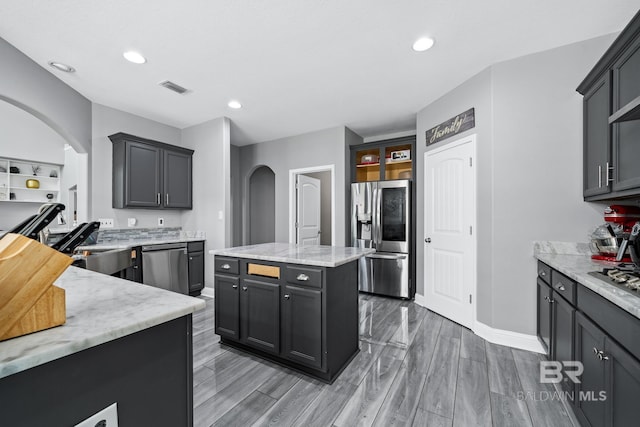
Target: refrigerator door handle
(377,211)
(381,256)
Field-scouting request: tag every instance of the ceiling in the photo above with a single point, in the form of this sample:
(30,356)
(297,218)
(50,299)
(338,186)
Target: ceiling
(296,65)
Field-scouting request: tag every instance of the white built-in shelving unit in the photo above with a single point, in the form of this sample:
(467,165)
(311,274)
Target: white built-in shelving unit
(14,175)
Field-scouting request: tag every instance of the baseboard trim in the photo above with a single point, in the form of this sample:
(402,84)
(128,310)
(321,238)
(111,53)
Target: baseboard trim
(508,338)
(499,336)
(207,292)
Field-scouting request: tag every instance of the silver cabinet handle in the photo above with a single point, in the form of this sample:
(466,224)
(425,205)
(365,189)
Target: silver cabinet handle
(609,168)
(560,287)
(287,296)
(235,286)
(380,256)
(595,350)
(599,176)
(244,288)
(225,266)
(302,277)
(549,300)
(158,199)
(542,273)
(167,197)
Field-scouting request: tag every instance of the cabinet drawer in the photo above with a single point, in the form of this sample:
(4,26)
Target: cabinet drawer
(195,246)
(544,272)
(564,286)
(617,323)
(304,276)
(227,265)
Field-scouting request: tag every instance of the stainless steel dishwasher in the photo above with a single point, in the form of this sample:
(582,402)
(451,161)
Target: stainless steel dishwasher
(166,266)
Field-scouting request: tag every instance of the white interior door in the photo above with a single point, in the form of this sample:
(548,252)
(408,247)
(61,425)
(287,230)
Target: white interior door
(450,243)
(308,211)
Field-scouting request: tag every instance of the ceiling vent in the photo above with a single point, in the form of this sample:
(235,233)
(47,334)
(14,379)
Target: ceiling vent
(174,87)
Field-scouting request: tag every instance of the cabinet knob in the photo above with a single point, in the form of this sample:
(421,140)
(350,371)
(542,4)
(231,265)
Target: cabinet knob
(225,266)
(244,288)
(595,350)
(302,277)
(235,286)
(560,287)
(542,273)
(287,296)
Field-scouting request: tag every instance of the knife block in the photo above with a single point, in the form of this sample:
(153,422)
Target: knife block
(28,300)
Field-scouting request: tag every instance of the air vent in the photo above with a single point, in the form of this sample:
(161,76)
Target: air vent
(174,87)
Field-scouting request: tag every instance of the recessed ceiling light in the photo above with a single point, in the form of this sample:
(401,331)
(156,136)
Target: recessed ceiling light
(62,67)
(423,44)
(235,105)
(134,57)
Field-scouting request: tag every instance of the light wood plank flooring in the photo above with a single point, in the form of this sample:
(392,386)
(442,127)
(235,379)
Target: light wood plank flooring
(415,368)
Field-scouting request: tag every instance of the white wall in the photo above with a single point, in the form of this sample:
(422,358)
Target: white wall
(529,127)
(211,186)
(107,121)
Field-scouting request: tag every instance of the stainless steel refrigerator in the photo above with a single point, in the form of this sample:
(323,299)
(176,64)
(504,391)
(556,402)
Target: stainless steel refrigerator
(381,219)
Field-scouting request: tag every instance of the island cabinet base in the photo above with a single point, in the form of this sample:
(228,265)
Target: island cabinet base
(149,374)
(301,316)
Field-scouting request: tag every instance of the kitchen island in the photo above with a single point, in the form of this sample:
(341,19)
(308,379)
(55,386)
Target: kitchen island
(123,343)
(294,305)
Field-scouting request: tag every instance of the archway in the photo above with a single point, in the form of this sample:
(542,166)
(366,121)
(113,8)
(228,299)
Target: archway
(262,206)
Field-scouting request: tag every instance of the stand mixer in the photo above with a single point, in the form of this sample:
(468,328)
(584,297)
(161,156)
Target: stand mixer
(609,241)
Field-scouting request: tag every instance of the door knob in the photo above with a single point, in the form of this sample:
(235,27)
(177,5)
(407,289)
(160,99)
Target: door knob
(427,240)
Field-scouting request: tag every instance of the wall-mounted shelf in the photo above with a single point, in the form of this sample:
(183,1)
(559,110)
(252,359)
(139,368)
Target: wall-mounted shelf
(13,187)
(631,111)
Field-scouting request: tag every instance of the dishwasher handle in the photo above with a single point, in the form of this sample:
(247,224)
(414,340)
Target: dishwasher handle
(164,247)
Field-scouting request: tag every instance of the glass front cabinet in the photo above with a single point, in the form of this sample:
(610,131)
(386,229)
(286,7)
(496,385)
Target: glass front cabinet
(383,160)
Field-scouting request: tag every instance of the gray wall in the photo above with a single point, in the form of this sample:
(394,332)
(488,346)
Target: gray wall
(262,206)
(325,205)
(107,121)
(26,84)
(325,147)
(529,136)
(236,200)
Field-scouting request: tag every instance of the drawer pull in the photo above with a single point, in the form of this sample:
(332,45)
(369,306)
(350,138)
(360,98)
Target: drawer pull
(287,296)
(225,266)
(302,277)
(235,286)
(560,287)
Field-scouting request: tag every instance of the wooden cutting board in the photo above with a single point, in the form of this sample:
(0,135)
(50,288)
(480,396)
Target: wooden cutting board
(28,300)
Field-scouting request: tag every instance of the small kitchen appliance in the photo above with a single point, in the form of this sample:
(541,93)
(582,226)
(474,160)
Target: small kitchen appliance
(607,238)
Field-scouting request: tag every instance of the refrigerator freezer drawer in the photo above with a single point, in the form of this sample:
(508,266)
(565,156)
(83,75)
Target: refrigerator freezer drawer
(385,274)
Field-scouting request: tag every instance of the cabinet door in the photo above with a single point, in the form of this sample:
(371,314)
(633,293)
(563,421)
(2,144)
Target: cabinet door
(177,180)
(196,272)
(227,306)
(260,315)
(626,149)
(623,386)
(142,186)
(562,332)
(589,340)
(544,316)
(302,325)
(596,136)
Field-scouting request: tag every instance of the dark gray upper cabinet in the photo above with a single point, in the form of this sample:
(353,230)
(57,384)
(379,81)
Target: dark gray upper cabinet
(150,174)
(611,120)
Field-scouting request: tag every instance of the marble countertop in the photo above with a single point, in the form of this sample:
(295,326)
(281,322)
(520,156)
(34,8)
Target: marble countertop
(578,266)
(124,244)
(100,308)
(321,256)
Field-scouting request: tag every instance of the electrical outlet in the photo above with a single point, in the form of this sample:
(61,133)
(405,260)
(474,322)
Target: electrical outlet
(106,222)
(131,222)
(161,222)
(108,417)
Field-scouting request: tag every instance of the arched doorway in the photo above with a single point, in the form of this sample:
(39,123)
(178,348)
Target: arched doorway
(262,206)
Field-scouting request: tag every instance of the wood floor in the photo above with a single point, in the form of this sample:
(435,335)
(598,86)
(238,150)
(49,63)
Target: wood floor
(415,368)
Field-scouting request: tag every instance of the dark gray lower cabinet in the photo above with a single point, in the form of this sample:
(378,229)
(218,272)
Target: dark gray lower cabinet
(544,315)
(227,306)
(563,315)
(302,325)
(305,317)
(260,314)
(589,342)
(196,272)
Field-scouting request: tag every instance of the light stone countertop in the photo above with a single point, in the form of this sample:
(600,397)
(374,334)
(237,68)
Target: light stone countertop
(100,308)
(321,256)
(578,266)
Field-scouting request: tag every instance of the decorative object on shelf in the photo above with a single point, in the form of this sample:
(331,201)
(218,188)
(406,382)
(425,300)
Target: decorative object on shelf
(14,169)
(33,183)
(369,158)
(49,196)
(12,196)
(451,127)
(400,155)
(35,169)
(53,174)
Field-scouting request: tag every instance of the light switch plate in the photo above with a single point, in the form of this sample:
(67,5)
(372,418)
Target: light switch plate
(106,222)
(108,417)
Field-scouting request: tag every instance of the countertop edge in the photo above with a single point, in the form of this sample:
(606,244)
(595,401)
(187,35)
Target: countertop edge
(276,258)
